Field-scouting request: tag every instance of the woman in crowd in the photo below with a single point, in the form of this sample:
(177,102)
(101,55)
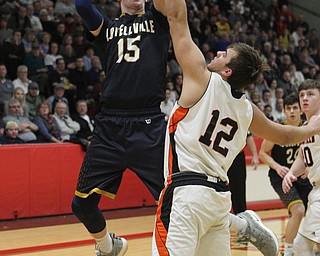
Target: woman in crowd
(49,130)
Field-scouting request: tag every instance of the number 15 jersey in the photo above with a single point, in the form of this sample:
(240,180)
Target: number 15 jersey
(134,51)
(206,137)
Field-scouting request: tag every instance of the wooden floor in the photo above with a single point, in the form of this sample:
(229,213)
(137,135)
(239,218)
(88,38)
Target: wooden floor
(72,239)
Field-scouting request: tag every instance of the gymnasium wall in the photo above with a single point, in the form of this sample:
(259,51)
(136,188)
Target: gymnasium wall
(39,180)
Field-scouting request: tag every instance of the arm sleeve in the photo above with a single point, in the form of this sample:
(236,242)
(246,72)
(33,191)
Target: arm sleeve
(89,13)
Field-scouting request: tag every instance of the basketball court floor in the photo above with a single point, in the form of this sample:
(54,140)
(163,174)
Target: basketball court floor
(63,235)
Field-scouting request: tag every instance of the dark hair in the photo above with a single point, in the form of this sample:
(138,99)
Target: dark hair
(309,84)
(291,99)
(246,66)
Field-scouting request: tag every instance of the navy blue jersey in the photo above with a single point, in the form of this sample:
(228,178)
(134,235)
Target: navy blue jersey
(134,48)
(283,155)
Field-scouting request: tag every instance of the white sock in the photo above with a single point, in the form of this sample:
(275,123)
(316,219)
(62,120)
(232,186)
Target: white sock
(105,243)
(288,249)
(237,223)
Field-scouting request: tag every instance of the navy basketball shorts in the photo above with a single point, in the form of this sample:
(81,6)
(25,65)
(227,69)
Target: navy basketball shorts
(297,194)
(124,139)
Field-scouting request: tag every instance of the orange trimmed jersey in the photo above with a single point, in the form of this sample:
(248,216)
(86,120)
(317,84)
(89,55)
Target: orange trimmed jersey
(206,137)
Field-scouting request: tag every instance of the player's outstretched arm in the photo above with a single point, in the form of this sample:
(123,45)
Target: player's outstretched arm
(195,73)
(92,18)
(282,134)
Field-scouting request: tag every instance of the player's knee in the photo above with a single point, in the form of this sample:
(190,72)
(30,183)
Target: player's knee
(76,206)
(303,246)
(82,206)
(298,211)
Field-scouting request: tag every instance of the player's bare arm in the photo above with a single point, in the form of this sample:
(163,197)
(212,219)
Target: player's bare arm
(297,169)
(195,73)
(265,149)
(282,134)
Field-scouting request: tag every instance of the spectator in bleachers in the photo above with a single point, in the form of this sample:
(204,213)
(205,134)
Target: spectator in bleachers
(255,97)
(37,69)
(59,33)
(68,127)
(52,56)
(266,98)
(19,95)
(261,85)
(36,25)
(79,43)
(33,99)
(48,24)
(297,35)
(285,83)
(300,21)
(79,77)
(57,96)
(95,69)
(67,40)
(296,76)
(20,20)
(267,112)
(69,23)
(45,40)
(10,135)
(22,79)
(5,31)
(13,53)
(27,129)
(6,89)
(278,111)
(69,56)
(49,130)
(28,40)
(89,53)
(314,41)
(63,7)
(86,123)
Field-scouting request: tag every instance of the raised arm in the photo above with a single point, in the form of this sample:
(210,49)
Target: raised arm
(90,15)
(282,134)
(189,56)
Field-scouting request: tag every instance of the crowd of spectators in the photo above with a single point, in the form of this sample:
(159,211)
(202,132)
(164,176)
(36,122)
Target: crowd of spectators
(51,75)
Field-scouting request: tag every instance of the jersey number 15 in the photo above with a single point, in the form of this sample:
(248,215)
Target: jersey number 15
(127,50)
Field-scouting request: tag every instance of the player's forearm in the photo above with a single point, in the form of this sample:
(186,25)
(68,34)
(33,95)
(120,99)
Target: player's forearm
(298,168)
(89,13)
(268,160)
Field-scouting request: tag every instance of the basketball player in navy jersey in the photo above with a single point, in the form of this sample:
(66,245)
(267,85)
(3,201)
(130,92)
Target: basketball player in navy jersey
(206,130)
(280,160)
(130,127)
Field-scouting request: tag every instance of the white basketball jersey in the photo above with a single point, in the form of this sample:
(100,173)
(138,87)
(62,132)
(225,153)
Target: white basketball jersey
(208,136)
(311,155)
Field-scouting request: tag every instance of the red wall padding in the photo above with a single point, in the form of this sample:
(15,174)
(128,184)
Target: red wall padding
(39,180)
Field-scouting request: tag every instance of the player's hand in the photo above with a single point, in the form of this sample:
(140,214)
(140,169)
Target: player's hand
(255,162)
(282,171)
(287,182)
